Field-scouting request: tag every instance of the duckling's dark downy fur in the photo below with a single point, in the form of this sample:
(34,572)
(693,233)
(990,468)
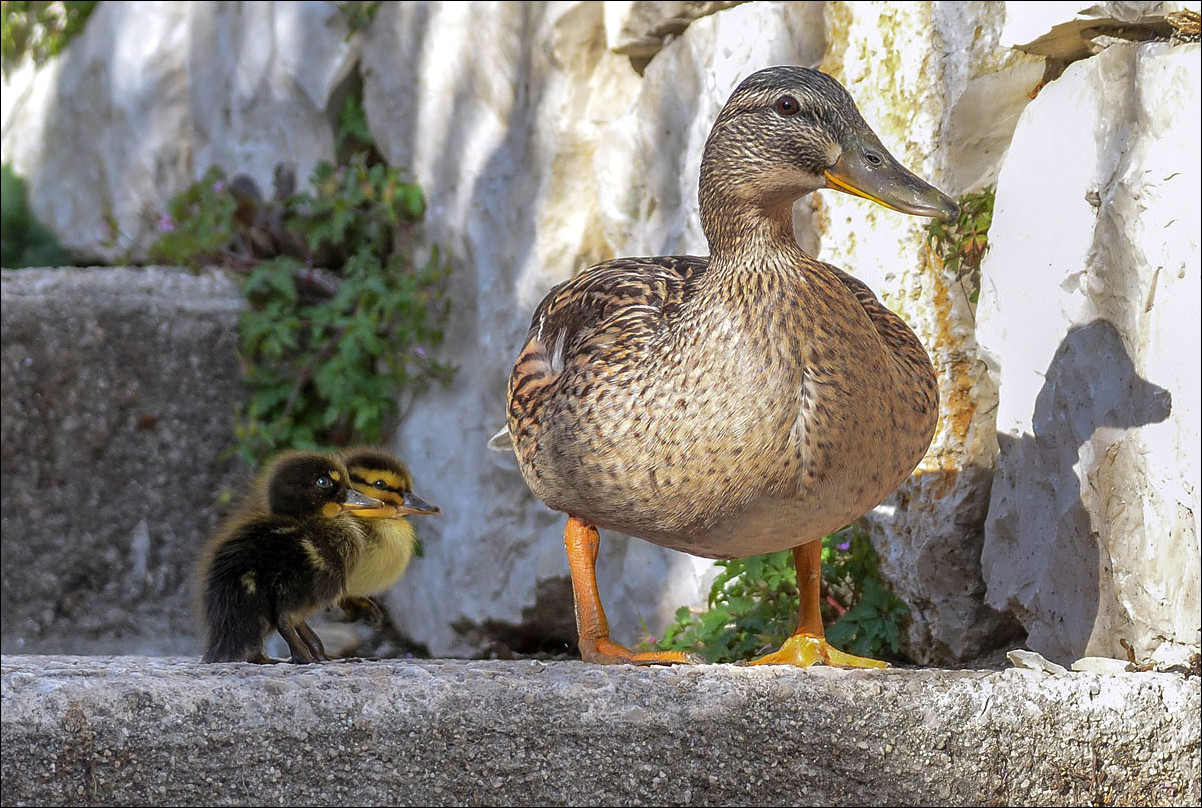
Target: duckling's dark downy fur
(271,569)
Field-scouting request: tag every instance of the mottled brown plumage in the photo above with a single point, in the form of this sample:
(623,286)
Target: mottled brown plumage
(749,401)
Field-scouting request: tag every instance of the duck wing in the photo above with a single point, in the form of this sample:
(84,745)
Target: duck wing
(607,310)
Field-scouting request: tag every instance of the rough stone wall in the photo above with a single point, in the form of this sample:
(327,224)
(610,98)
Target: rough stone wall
(550,136)
(1091,334)
(118,406)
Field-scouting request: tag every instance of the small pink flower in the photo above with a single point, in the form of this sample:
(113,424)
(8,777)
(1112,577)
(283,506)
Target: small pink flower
(218,186)
(166,224)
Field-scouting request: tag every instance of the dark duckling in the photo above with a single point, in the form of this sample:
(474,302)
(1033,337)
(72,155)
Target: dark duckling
(271,568)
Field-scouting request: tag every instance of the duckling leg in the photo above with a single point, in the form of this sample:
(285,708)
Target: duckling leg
(360,608)
(300,652)
(312,642)
(808,645)
(582,540)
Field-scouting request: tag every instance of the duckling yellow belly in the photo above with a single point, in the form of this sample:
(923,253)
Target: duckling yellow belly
(384,559)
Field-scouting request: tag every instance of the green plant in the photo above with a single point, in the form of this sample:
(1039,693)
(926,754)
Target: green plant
(358,14)
(199,227)
(39,29)
(342,318)
(753,605)
(24,241)
(329,372)
(863,616)
(961,244)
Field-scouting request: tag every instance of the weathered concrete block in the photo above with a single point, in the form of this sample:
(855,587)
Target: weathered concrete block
(119,395)
(137,731)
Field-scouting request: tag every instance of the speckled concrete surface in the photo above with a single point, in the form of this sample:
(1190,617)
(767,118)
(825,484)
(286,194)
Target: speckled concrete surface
(168,731)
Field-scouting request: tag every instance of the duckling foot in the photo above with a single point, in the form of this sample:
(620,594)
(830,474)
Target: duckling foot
(365,609)
(804,650)
(299,640)
(313,643)
(261,658)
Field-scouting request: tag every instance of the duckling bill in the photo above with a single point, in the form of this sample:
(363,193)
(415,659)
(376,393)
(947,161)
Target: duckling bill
(270,569)
(743,402)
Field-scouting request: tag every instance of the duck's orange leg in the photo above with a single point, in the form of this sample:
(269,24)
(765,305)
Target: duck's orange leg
(582,540)
(808,645)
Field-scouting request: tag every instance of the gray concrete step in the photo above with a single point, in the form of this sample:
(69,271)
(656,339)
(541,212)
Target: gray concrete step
(120,388)
(169,731)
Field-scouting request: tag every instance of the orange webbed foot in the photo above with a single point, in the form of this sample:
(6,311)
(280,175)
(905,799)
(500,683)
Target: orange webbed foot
(603,651)
(805,650)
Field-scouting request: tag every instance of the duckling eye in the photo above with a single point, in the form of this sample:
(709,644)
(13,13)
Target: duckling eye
(324,482)
(787,105)
(380,484)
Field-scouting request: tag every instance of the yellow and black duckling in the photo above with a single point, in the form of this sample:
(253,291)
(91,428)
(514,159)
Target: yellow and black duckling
(741,403)
(271,568)
(390,539)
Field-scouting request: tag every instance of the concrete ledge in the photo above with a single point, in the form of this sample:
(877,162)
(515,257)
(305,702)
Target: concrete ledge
(161,731)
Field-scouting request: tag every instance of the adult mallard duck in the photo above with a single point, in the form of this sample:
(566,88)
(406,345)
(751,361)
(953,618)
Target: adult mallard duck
(743,403)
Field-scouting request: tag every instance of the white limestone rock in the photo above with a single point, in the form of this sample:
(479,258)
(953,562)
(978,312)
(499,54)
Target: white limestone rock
(150,95)
(1102,665)
(1030,660)
(1088,316)
(1067,30)
(639,28)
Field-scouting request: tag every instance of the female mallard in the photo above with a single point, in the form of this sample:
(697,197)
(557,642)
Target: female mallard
(743,403)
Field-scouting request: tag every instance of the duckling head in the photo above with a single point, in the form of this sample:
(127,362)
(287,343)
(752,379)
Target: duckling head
(383,477)
(788,131)
(307,484)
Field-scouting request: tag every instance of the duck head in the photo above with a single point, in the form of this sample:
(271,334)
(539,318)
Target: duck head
(380,475)
(788,131)
(308,484)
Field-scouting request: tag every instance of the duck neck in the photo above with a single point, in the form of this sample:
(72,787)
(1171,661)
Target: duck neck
(748,235)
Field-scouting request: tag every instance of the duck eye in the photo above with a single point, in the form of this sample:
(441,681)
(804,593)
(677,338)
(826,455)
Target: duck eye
(324,482)
(380,484)
(787,105)
(872,159)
